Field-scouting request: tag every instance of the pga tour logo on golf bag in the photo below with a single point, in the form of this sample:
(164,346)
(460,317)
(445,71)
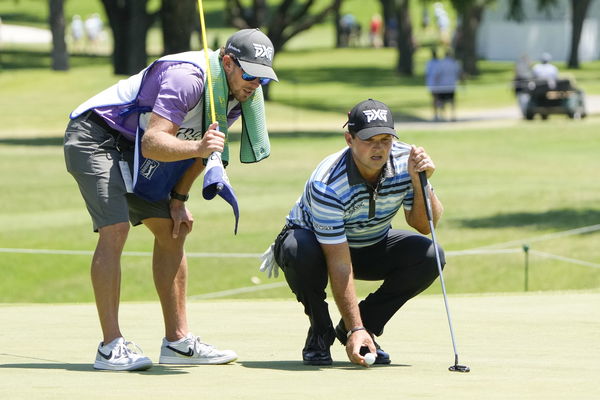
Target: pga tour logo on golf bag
(260,50)
(148,168)
(375,114)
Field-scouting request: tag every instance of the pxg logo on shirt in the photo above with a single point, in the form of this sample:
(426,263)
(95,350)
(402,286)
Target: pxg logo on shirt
(260,50)
(376,114)
(148,168)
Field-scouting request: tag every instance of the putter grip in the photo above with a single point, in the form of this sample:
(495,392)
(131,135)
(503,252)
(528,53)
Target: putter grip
(423,180)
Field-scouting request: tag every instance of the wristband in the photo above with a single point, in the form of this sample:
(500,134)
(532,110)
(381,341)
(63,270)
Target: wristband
(351,331)
(178,196)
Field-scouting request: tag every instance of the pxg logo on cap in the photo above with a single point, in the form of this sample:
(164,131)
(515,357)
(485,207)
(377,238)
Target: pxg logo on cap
(370,118)
(254,51)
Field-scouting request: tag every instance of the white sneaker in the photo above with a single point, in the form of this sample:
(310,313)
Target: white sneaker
(120,355)
(191,351)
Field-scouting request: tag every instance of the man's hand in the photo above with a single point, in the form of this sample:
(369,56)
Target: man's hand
(357,340)
(419,161)
(213,140)
(180,216)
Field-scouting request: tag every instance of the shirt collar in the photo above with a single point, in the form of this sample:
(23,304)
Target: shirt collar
(354,176)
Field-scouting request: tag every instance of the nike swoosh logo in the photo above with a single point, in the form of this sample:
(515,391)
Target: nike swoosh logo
(105,356)
(188,353)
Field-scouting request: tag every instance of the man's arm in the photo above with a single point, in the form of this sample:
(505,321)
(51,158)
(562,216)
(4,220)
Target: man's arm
(161,144)
(417,216)
(339,266)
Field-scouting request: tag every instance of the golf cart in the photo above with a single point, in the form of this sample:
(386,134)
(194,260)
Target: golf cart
(554,97)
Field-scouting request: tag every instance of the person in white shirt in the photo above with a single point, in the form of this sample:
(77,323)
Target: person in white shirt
(545,70)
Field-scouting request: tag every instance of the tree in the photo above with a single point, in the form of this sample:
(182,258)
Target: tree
(129,21)
(288,19)
(470,13)
(60,56)
(388,10)
(579,10)
(405,42)
(179,19)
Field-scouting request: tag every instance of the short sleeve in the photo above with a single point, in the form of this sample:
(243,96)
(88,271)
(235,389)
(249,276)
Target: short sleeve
(327,214)
(180,89)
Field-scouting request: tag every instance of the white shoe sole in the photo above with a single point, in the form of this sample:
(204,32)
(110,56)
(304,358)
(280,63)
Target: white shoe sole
(197,361)
(140,365)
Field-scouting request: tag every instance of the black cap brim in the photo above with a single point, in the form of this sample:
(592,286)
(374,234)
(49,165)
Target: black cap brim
(368,133)
(258,70)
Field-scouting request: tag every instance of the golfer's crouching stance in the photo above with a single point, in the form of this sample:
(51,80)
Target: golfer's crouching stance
(341,228)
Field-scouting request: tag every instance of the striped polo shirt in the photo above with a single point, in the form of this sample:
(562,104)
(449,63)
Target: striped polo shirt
(338,205)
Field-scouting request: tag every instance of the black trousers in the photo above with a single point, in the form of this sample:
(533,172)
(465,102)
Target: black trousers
(404,261)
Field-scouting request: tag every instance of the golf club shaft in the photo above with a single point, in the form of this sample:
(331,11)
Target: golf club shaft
(423,180)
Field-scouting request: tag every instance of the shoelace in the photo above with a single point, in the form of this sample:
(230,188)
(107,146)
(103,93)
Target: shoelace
(128,349)
(202,348)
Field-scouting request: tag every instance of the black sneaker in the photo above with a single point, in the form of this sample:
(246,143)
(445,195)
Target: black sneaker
(341,334)
(316,349)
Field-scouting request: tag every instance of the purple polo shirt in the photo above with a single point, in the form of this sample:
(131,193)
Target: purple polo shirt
(171,89)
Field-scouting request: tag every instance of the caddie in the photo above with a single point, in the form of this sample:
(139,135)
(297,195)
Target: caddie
(135,149)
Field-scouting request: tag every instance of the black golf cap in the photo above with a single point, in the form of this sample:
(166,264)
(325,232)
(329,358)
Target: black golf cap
(370,118)
(254,51)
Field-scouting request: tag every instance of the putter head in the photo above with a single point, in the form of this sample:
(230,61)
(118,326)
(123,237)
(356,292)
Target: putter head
(459,368)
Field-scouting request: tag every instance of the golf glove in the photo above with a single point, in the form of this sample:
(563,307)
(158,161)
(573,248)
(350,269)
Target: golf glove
(269,265)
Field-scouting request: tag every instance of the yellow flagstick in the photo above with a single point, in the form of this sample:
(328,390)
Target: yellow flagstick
(208,76)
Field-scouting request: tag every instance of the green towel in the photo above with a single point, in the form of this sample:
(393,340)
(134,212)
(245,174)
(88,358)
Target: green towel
(255,144)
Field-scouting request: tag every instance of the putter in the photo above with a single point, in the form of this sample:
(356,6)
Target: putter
(423,178)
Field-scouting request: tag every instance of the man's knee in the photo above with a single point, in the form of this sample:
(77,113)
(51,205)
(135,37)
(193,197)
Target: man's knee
(116,233)
(162,229)
(431,258)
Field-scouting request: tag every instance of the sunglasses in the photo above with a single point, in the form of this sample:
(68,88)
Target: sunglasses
(248,77)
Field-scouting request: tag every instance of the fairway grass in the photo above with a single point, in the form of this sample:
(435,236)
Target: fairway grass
(536,346)
(498,184)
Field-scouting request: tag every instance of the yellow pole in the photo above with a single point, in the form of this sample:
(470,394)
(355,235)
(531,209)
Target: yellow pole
(208,76)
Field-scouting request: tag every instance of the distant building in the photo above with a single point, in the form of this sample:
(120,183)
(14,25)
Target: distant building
(541,31)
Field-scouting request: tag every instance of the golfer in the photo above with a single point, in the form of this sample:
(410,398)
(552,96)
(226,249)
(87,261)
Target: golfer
(340,229)
(159,118)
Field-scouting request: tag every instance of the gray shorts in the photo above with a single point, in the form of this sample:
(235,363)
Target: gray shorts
(92,155)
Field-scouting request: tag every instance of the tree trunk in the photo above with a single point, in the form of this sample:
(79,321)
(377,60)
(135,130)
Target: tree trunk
(260,13)
(388,8)
(178,18)
(337,17)
(288,19)
(579,9)
(405,43)
(246,17)
(60,56)
(466,43)
(129,22)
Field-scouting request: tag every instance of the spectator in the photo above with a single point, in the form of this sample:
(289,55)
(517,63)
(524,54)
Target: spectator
(442,21)
(430,71)
(523,74)
(445,76)
(93,30)
(77,32)
(375,31)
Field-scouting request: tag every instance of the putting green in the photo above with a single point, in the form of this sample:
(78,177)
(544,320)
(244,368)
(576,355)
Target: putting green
(531,346)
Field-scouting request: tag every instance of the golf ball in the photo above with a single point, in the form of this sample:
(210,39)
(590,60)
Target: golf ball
(369,358)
